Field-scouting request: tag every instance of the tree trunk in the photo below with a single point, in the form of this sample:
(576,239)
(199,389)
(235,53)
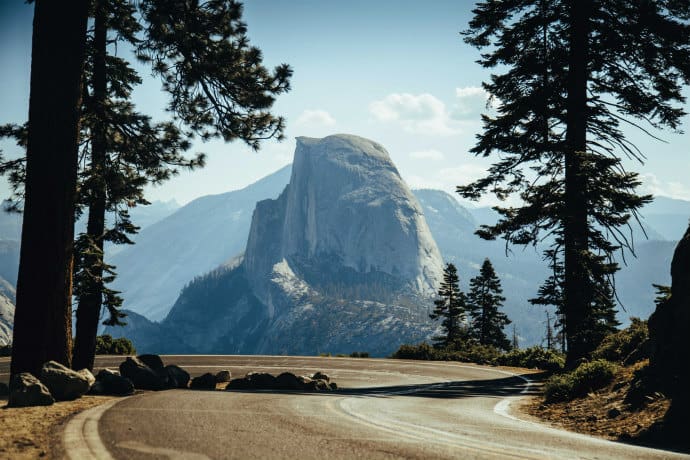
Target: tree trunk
(43,318)
(575,226)
(89,308)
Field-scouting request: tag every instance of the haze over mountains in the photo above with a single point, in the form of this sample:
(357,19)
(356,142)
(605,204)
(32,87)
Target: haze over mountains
(342,260)
(177,245)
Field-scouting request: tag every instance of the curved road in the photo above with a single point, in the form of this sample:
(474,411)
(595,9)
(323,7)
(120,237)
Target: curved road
(385,409)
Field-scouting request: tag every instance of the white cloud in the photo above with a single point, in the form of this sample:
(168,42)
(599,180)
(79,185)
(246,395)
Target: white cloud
(433,155)
(315,118)
(416,113)
(653,185)
(471,92)
(471,101)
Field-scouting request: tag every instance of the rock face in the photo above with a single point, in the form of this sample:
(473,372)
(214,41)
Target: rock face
(342,260)
(26,390)
(669,324)
(346,215)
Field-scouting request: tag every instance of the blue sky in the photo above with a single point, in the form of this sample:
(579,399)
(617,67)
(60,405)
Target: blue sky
(397,72)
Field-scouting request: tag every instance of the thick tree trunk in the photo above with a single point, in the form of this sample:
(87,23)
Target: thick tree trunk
(89,308)
(43,326)
(575,226)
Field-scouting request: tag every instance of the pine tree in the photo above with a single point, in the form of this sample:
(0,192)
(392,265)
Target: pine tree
(483,303)
(574,72)
(42,327)
(450,306)
(218,87)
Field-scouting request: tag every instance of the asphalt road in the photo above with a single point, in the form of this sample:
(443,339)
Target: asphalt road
(384,409)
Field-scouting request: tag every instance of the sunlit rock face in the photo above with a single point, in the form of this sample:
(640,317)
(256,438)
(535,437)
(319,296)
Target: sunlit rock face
(346,217)
(341,261)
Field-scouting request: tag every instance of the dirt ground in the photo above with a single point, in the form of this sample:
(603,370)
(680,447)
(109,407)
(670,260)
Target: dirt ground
(34,432)
(603,413)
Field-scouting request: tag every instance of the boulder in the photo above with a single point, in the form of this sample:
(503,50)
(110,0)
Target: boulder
(88,376)
(321,376)
(288,381)
(204,382)
(64,383)
(223,376)
(111,383)
(4,389)
(142,376)
(177,377)
(239,384)
(153,361)
(27,390)
(261,380)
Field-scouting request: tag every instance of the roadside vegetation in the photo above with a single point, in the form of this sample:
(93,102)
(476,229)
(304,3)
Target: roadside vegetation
(106,345)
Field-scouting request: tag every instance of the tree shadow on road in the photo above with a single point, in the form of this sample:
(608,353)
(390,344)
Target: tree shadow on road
(500,388)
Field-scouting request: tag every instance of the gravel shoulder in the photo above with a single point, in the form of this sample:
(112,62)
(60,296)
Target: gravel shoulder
(34,432)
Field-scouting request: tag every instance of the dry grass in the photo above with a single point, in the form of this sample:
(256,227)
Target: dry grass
(604,413)
(34,432)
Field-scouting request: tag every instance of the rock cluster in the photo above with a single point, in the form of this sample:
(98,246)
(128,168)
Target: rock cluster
(285,381)
(148,372)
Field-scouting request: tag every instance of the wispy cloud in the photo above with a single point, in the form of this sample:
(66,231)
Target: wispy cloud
(653,185)
(416,113)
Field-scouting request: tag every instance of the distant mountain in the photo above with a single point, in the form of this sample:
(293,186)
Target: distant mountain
(668,216)
(342,260)
(195,239)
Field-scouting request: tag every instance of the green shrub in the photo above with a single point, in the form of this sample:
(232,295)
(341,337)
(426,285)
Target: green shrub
(533,357)
(558,388)
(589,376)
(422,351)
(620,345)
(106,345)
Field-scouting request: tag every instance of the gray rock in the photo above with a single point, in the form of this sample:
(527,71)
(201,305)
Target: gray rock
(204,382)
(142,376)
(288,381)
(223,376)
(261,380)
(111,383)
(64,383)
(177,377)
(242,383)
(87,375)
(153,361)
(26,390)
(321,376)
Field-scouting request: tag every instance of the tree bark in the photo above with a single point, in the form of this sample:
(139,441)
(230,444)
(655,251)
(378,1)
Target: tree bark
(575,225)
(89,307)
(43,326)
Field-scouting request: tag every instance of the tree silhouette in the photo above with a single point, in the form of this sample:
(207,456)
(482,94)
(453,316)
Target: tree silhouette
(571,72)
(42,326)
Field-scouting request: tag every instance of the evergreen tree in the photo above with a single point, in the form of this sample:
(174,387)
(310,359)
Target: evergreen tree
(483,303)
(42,327)
(450,306)
(574,71)
(218,87)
